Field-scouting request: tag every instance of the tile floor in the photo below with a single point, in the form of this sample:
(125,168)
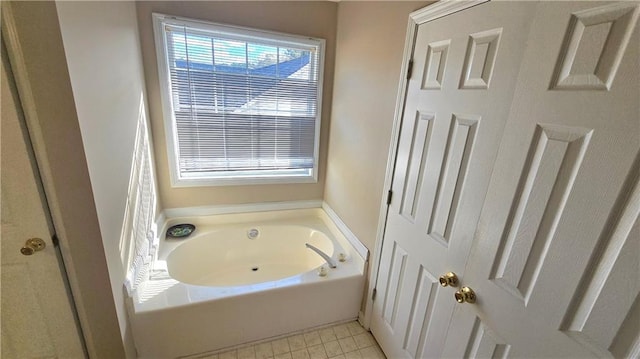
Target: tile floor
(342,341)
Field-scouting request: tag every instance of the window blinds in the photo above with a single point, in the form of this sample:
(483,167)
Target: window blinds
(140,237)
(242,105)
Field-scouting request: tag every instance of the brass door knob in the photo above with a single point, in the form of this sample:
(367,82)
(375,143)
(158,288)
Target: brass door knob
(465,295)
(32,245)
(449,280)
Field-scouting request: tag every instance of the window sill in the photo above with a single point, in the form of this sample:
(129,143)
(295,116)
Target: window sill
(241,181)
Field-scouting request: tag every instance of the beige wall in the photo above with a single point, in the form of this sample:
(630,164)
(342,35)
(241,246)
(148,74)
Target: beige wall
(310,18)
(40,67)
(369,51)
(102,47)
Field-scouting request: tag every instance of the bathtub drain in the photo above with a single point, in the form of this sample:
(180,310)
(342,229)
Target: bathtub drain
(255,269)
(253,233)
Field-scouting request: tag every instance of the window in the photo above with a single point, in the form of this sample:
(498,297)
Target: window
(241,106)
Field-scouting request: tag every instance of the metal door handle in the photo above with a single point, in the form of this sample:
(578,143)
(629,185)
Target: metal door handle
(449,280)
(32,245)
(465,295)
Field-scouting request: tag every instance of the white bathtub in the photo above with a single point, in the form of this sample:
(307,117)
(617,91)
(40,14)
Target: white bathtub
(230,257)
(219,288)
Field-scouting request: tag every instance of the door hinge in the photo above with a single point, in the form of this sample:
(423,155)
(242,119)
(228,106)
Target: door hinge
(410,69)
(373,296)
(389,196)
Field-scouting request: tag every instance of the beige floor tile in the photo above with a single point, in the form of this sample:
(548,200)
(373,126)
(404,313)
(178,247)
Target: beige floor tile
(371,353)
(327,335)
(347,344)
(312,338)
(280,346)
(286,355)
(341,331)
(342,341)
(247,353)
(296,342)
(264,351)
(232,354)
(355,328)
(364,340)
(317,352)
(300,354)
(332,348)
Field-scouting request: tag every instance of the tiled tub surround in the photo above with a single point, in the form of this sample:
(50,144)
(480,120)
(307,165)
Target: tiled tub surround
(170,318)
(342,341)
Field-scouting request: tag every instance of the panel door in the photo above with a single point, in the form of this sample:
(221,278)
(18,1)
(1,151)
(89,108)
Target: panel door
(37,316)
(458,98)
(556,260)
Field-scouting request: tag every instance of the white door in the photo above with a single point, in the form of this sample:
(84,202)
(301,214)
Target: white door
(37,316)
(555,264)
(458,98)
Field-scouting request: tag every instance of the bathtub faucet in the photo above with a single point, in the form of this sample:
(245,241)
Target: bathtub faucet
(322,254)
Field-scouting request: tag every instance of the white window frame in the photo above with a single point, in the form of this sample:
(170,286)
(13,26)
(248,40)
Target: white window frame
(226,179)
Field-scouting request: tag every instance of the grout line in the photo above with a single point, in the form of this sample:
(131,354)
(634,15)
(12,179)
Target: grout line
(232,352)
(269,339)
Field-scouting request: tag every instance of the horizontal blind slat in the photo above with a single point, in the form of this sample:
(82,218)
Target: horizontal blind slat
(241,105)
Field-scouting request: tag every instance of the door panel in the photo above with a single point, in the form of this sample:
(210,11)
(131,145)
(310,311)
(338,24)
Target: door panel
(458,98)
(37,316)
(547,179)
(555,264)
(593,314)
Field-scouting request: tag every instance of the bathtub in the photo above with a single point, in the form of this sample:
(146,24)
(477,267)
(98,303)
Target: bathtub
(245,277)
